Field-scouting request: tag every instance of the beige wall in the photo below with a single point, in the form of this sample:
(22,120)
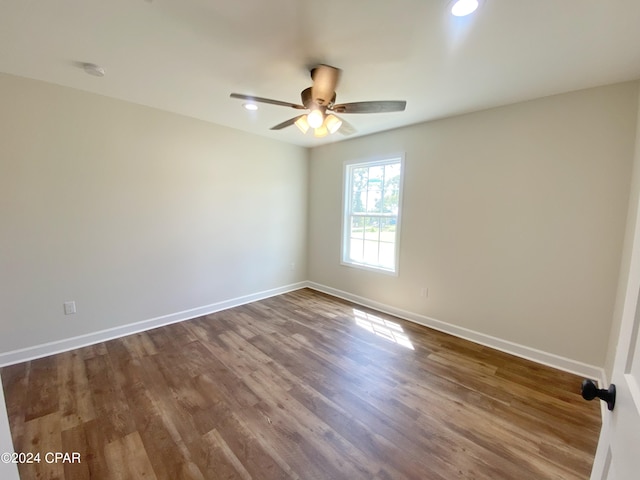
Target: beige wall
(513,218)
(135,213)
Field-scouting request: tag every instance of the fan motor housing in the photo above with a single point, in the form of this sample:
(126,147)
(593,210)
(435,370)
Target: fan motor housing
(309,102)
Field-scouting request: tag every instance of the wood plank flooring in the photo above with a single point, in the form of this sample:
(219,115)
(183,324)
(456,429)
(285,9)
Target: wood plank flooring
(300,386)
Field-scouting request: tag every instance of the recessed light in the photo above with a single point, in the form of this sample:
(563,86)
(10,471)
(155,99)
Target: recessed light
(250,106)
(93,69)
(462,8)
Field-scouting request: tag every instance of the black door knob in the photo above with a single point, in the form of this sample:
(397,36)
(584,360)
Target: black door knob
(591,391)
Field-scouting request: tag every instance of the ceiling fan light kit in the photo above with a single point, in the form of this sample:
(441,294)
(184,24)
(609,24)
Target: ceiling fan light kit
(320,100)
(328,124)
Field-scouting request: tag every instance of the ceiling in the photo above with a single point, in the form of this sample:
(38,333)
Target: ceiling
(187,56)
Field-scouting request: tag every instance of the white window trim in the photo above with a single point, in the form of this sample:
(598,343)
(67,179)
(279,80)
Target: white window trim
(346,187)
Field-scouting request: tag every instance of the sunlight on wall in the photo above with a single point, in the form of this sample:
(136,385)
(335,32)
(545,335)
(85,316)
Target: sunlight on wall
(383,328)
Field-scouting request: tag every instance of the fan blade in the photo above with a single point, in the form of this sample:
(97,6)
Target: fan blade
(371,107)
(286,123)
(266,100)
(325,78)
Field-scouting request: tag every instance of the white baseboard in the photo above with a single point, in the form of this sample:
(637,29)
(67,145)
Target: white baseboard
(535,355)
(538,356)
(59,346)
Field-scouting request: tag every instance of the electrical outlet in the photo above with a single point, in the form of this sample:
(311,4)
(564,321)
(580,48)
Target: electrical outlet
(292,266)
(424,292)
(69,308)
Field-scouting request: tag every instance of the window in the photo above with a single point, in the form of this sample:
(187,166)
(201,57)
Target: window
(372,194)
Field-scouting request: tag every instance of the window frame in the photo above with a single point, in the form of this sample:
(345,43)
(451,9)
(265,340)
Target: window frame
(347,191)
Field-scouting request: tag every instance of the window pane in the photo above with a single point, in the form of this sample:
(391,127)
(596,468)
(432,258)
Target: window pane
(388,230)
(356,250)
(376,174)
(374,189)
(387,255)
(374,196)
(356,238)
(371,252)
(372,240)
(391,170)
(391,194)
(359,178)
(357,201)
(372,228)
(357,227)
(361,174)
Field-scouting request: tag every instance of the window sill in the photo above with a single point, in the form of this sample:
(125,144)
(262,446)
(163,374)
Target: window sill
(370,268)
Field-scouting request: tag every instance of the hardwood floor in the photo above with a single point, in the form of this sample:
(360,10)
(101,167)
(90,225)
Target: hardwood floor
(302,386)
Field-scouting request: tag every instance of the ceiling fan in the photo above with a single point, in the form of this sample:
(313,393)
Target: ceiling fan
(320,100)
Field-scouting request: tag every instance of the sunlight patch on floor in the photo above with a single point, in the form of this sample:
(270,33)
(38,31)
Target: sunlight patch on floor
(382,328)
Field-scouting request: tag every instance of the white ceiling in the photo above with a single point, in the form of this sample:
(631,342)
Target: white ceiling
(187,56)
